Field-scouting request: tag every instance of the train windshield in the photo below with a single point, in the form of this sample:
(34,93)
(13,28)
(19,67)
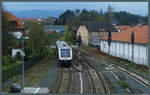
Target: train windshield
(65,52)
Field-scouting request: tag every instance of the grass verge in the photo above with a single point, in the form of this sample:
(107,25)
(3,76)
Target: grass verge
(4,67)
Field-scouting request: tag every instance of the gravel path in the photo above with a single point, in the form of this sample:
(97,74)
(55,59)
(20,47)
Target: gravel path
(50,76)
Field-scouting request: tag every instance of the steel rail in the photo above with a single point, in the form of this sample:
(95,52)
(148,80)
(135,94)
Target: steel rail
(99,76)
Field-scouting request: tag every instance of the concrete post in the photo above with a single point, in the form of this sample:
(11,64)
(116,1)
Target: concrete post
(1,47)
(149,42)
(139,53)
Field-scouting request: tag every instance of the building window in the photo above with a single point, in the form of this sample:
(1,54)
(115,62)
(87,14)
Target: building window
(13,23)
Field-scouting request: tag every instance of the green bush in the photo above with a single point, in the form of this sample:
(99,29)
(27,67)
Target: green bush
(5,60)
(28,52)
(68,37)
(52,53)
(8,60)
(13,60)
(48,54)
(18,56)
(45,54)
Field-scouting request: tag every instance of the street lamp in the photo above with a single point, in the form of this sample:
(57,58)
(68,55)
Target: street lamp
(22,40)
(23,54)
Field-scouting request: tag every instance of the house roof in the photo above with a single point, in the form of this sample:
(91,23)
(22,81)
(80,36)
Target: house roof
(140,33)
(98,26)
(122,27)
(12,17)
(17,34)
(55,26)
(75,28)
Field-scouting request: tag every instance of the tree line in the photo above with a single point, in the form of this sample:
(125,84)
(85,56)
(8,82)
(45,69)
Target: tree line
(123,18)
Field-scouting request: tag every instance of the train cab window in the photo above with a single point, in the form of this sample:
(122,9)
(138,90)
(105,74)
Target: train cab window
(64,44)
(65,52)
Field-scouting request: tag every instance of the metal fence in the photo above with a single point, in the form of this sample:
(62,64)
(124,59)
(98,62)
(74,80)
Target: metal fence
(17,70)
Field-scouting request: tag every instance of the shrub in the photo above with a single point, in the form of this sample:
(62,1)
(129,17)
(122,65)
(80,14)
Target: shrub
(28,52)
(13,60)
(45,53)
(7,60)
(18,56)
(52,53)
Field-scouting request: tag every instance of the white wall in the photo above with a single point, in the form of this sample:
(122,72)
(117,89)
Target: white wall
(124,50)
(84,35)
(14,52)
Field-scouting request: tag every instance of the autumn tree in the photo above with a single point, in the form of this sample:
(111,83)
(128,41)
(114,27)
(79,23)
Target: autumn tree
(37,39)
(68,37)
(8,40)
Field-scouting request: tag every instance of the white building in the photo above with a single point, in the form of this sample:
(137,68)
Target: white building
(15,51)
(121,45)
(18,35)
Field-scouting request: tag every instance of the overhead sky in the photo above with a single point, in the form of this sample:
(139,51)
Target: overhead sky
(140,8)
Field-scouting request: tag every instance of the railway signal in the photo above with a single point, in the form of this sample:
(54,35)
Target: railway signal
(79,40)
(132,42)
(109,40)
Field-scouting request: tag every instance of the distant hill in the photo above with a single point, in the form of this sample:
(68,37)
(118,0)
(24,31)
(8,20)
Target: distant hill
(37,13)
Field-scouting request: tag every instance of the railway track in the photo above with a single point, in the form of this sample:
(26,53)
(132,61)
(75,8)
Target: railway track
(63,82)
(134,75)
(98,85)
(138,77)
(69,79)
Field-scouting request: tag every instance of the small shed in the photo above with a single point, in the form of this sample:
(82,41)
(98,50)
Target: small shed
(17,51)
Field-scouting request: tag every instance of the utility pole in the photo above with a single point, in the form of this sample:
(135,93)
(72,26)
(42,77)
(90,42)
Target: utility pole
(79,39)
(90,27)
(132,42)
(1,47)
(23,61)
(149,42)
(109,41)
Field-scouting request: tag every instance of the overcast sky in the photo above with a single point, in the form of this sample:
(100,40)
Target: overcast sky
(140,8)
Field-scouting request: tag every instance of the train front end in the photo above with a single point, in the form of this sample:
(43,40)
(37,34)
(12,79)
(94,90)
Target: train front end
(65,55)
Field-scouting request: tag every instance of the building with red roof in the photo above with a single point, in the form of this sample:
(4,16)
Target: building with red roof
(14,21)
(17,29)
(140,32)
(121,45)
(121,27)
